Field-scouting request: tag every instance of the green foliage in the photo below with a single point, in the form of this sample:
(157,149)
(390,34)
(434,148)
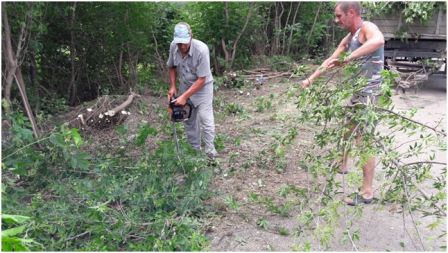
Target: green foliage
(234,108)
(145,202)
(11,234)
(413,11)
(263,223)
(324,106)
(143,132)
(281,62)
(232,203)
(262,103)
(61,146)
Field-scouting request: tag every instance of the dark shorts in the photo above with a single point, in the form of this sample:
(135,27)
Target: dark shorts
(361,99)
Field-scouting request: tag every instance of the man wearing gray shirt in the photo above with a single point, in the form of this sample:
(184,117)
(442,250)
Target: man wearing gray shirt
(189,60)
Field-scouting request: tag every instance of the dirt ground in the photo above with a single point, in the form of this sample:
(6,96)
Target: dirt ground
(246,170)
(243,170)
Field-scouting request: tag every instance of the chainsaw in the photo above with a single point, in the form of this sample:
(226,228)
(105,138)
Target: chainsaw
(179,113)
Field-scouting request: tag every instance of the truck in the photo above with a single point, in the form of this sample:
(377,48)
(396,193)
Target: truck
(414,50)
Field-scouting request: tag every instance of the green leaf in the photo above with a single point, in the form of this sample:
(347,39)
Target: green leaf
(80,161)
(76,137)
(58,140)
(10,219)
(13,244)
(143,133)
(13,231)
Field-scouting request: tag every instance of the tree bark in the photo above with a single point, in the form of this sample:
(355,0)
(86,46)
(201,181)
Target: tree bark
(119,67)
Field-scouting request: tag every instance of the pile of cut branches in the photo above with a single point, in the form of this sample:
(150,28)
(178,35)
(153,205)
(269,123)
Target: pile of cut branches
(105,112)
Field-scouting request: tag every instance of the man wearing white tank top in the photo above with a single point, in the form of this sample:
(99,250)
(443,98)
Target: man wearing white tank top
(364,43)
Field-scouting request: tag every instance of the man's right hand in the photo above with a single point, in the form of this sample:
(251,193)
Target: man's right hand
(305,83)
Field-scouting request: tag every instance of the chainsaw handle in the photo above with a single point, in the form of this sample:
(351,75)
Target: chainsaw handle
(189,104)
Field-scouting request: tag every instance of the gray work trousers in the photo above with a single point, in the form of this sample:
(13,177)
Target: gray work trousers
(202,122)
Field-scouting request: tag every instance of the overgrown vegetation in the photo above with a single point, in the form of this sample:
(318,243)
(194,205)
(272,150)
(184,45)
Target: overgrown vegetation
(60,192)
(102,201)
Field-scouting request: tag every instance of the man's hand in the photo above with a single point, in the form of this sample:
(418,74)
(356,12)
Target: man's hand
(171,93)
(307,82)
(181,100)
(335,63)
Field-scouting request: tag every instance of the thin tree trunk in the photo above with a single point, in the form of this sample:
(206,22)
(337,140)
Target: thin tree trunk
(215,61)
(277,28)
(239,35)
(312,27)
(292,30)
(160,59)
(223,40)
(13,60)
(266,36)
(284,29)
(13,70)
(132,69)
(118,69)
(73,88)
(34,83)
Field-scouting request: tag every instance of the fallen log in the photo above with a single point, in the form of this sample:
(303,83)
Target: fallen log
(99,116)
(122,106)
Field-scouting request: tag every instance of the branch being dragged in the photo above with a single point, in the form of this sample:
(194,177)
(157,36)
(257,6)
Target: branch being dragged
(411,120)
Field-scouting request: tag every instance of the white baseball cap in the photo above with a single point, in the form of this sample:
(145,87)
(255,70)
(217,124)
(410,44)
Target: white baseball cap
(181,34)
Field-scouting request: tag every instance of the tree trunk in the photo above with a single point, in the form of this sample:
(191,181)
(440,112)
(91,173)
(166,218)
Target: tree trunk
(160,59)
(312,27)
(13,69)
(118,69)
(277,28)
(73,87)
(292,30)
(223,40)
(284,29)
(132,62)
(235,43)
(34,83)
(215,61)
(13,60)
